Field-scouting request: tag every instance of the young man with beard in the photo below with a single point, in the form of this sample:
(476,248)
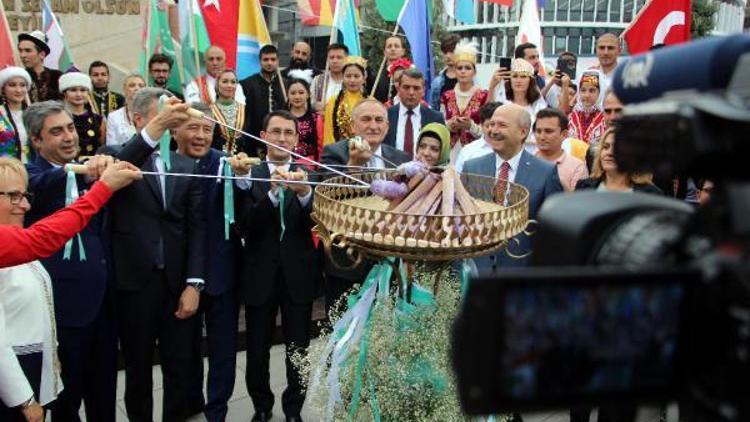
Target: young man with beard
(159,68)
(105,100)
(301,58)
(264,94)
(203,88)
(32,49)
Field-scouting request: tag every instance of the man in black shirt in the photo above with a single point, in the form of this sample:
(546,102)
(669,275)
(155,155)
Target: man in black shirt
(105,101)
(263,93)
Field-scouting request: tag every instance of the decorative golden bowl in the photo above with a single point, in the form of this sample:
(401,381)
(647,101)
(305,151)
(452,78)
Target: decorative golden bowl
(353,219)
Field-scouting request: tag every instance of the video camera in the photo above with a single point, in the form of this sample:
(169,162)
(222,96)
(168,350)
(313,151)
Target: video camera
(633,298)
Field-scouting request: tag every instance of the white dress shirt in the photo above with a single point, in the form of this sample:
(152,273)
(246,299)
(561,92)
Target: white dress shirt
(375,162)
(416,125)
(193,94)
(513,162)
(245,184)
(474,149)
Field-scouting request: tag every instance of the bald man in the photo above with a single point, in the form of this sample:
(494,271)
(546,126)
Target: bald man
(607,52)
(203,89)
(301,58)
(510,161)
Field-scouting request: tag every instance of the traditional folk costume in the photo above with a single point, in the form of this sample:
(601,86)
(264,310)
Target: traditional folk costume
(89,125)
(455,102)
(44,85)
(106,101)
(230,113)
(587,122)
(337,115)
(203,90)
(14,140)
(119,127)
(307,128)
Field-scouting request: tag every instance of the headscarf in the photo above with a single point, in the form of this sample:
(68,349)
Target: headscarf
(588,76)
(439,131)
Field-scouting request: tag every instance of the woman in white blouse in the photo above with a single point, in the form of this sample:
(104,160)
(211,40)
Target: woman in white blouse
(119,126)
(29,369)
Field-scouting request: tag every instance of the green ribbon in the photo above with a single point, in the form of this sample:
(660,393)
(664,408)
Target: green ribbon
(164,141)
(466,270)
(71,194)
(228,198)
(282,200)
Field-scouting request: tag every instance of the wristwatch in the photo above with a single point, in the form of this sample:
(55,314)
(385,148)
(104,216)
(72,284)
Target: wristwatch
(197,286)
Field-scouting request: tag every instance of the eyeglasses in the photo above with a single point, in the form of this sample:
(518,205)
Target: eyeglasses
(17,196)
(278,132)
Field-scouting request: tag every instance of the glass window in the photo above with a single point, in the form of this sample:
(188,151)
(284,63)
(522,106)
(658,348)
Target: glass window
(614,11)
(586,46)
(562,10)
(549,14)
(561,32)
(560,44)
(574,31)
(548,31)
(588,10)
(547,45)
(575,10)
(574,43)
(601,10)
(628,11)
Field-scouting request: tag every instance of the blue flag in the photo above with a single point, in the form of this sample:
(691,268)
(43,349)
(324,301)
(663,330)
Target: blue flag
(465,12)
(416,25)
(346,22)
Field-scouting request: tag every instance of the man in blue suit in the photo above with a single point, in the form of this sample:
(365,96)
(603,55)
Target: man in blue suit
(408,117)
(510,127)
(219,302)
(81,285)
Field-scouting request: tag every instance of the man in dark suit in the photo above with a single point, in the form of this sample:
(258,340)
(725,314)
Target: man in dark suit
(510,161)
(81,285)
(279,270)
(409,116)
(159,250)
(219,303)
(369,121)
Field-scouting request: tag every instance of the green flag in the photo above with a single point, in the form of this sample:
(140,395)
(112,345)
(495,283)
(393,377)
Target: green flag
(158,39)
(389,9)
(193,38)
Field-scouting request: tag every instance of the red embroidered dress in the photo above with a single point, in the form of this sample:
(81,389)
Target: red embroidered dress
(585,126)
(450,105)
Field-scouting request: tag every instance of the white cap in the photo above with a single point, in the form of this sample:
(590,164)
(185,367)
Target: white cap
(72,79)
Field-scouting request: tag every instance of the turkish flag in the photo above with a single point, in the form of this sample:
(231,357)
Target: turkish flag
(221,17)
(659,22)
(7,46)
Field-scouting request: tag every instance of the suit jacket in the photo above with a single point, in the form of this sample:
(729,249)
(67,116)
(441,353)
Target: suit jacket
(261,97)
(338,154)
(140,222)
(428,116)
(223,261)
(79,287)
(591,183)
(540,178)
(268,260)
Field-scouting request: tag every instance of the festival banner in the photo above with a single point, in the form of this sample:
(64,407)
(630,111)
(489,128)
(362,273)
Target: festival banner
(252,34)
(193,38)
(59,56)
(345,20)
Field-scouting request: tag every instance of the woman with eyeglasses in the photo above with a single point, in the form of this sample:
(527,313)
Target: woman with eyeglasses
(29,369)
(461,105)
(14,89)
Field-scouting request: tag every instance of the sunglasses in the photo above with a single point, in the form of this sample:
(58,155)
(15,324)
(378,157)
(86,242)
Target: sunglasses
(17,196)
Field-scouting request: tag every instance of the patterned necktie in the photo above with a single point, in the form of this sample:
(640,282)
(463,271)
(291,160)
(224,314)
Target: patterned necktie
(409,134)
(502,183)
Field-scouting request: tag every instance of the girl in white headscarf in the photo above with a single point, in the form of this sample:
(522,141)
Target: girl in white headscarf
(587,118)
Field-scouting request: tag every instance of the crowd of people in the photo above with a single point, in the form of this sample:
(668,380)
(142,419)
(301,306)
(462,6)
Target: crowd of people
(161,260)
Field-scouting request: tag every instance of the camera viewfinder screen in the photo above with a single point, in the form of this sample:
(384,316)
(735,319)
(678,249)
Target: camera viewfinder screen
(592,340)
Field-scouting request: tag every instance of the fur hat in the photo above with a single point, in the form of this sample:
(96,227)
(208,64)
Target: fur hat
(37,37)
(11,72)
(72,79)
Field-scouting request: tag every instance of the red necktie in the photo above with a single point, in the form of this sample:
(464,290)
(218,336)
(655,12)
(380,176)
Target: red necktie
(502,183)
(409,135)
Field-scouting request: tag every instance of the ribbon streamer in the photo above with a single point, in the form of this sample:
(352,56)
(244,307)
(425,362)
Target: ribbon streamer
(71,194)
(228,196)
(282,200)
(164,141)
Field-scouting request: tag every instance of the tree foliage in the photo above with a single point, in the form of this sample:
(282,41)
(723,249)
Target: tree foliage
(702,18)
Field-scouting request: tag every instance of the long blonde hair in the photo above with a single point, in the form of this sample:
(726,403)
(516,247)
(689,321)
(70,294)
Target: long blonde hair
(598,173)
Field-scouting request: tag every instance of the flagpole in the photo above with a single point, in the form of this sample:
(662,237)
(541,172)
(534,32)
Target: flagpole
(382,63)
(196,55)
(327,72)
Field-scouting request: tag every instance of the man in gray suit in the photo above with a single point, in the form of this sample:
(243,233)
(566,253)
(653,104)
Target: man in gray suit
(369,121)
(510,127)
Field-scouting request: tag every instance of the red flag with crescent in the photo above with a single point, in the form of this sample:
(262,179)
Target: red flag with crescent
(659,22)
